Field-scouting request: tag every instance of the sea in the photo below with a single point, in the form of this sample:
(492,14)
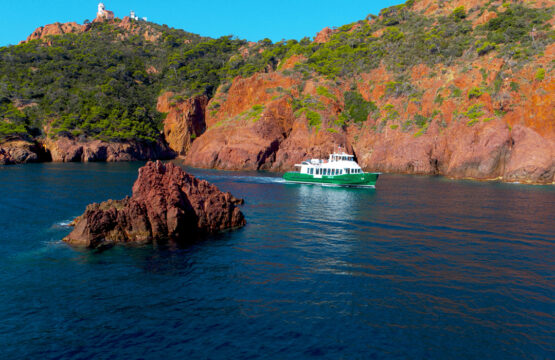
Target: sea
(418,268)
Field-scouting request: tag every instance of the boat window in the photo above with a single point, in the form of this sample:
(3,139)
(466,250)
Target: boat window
(333,171)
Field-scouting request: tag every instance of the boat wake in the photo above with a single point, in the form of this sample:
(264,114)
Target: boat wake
(64,224)
(246,179)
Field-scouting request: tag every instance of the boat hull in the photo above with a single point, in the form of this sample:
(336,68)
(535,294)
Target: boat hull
(354,180)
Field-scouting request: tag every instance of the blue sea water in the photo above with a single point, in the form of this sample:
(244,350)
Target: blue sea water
(421,267)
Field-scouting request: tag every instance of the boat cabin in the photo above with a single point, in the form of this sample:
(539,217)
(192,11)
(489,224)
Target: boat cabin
(337,164)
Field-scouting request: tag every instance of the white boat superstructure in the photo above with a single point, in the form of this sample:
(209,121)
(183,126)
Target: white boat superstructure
(337,164)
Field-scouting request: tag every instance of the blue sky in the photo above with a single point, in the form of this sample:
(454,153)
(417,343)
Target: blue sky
(247,19)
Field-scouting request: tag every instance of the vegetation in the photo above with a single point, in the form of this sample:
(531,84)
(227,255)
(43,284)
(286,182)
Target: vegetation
(475,92)
(474,111)
(540,74)
(104,83)
(356,108)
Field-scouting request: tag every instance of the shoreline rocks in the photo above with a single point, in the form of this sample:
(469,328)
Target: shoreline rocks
(65,149)
(168,206)
(19,151)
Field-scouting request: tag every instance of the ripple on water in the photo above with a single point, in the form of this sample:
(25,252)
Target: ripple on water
(418,268)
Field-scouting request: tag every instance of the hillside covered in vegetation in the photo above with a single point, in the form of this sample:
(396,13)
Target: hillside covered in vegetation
(461,88)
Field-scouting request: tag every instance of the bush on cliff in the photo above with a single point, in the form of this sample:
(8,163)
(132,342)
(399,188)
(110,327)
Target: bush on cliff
(356,108)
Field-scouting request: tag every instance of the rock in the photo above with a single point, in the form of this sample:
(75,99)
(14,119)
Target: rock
(168,205)
(323,36)
(20,152)
(184,122)
(532,158)
(63,149)
(57,29)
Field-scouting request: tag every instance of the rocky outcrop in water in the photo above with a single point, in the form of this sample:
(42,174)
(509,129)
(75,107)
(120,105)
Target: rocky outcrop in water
(168,205)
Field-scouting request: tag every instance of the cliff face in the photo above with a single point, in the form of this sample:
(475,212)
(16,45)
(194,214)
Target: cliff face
(481,118)
(461,88)
(63,149)
(185,120)
(255,127)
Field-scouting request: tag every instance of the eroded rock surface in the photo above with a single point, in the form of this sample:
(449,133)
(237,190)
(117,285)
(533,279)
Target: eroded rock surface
(184,122)
(168,205)
(64,149)
(20,152)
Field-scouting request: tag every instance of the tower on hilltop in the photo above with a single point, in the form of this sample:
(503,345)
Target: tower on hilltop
(103,14)
(101,10)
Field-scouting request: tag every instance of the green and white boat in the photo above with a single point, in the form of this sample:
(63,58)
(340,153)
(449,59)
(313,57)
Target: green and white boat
(340,169)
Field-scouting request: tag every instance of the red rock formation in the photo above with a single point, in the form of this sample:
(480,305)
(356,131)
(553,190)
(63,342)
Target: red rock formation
(245,125)
(57,29)
(168,206)
(64,149)
(18,152)
(323,36)
(184,121)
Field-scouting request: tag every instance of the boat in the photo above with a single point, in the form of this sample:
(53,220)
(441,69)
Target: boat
(340,169)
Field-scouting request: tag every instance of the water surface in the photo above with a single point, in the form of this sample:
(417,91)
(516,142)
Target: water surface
(421,267)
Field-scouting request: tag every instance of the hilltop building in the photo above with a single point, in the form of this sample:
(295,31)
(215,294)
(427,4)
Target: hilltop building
(104,14)
(134,16)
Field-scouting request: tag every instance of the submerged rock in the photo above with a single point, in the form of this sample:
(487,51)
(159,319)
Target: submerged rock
(168,205)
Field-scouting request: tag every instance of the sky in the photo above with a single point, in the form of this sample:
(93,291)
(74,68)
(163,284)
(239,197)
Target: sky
(247,19)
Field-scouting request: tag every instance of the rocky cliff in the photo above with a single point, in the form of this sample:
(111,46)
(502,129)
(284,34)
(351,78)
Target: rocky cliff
(167,206)
(483,117)
(463,89)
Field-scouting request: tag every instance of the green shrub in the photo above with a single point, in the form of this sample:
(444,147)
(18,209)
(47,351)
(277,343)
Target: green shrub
(324,91)
(474,111)
(421,131)
(455,92)
(475,92)
(256,112)
(459,12)
(420,120)
(314,118)
(439,99)
(540,74)
(356,108)
(472,122)
(483,48)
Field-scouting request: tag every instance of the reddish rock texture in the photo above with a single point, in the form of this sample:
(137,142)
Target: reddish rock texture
(167,206)
(57,29)
(64,149)
(185,120)
(19,152)
(451,144)
(323,36)
(243,143)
